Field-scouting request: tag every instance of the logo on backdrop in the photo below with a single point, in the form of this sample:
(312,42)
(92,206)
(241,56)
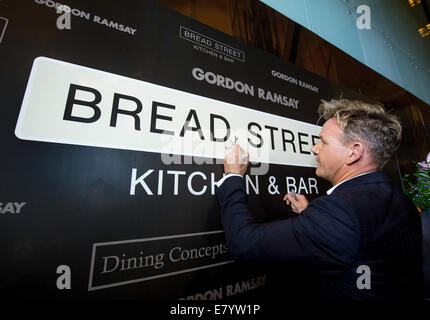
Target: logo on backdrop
(294,81)
(64,20)
(244,88)
(123,262)
(211,46)
(229,290)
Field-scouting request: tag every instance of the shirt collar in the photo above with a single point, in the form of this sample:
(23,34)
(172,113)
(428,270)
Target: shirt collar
(329,191)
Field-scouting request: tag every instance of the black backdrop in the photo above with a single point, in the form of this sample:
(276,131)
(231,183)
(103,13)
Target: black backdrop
(78,209)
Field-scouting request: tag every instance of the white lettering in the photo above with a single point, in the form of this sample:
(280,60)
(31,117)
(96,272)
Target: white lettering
(291,184)
(140,181)
(11,207)
(222,81)
(190,187)
(176,181)
(302,186)
(255,186)
(313,185)
(114,265)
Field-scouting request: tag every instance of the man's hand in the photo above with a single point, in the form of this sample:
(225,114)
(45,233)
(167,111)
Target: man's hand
(236,161)
(296,205)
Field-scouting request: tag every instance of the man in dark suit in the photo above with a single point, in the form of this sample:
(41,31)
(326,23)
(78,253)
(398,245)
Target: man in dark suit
(363,239)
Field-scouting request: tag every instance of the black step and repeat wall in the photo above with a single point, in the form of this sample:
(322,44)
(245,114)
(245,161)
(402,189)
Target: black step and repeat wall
(115,119)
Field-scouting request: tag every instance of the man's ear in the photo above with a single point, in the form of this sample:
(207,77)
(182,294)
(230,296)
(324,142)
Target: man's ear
(355,152)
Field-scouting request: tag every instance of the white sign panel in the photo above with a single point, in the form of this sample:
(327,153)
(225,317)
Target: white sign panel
(72,104)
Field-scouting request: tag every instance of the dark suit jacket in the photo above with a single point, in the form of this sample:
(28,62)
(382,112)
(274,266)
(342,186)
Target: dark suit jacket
(365,221)
(425,220)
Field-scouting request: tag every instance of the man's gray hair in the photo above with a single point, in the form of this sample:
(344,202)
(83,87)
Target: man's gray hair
(369,123)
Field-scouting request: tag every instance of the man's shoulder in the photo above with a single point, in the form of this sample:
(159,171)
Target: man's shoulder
(369,180)
(373,195)
(330,203)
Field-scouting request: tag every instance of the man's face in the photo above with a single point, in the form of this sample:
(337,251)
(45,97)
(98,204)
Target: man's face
(330,152)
